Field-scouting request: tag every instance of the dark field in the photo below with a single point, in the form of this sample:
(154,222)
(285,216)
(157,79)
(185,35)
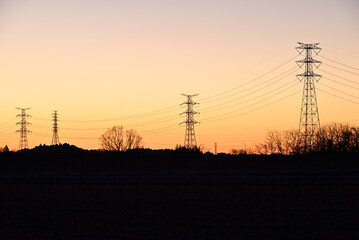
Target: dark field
(114,211)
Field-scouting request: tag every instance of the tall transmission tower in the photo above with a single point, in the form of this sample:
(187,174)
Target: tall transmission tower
(190,137)
(55,136)
(309,115)
(23,128)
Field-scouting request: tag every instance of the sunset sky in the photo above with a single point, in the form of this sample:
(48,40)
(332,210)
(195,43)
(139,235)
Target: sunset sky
(105,63)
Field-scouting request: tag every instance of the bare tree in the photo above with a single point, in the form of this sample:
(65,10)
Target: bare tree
(354,139)
(133,140)
(261,148)
(292,142)
(274,142)
(117,139)
(333,137)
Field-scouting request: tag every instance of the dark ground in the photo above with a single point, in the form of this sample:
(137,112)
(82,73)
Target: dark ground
(62,192)
(117,211)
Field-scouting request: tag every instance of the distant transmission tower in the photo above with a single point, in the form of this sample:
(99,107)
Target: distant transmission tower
(55,135)
(309,115)
(23,128)
(190,137)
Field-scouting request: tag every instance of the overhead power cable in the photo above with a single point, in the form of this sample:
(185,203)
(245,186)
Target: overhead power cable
(220,106)
(345,65)
(335,89)
(277,78)
(326,78)
(345,79)
(348,100)
(261,107)
(79,138)
(260,101)
(161,111)
(338,68)
(167,109)
(83,129)
(170,127)
(251,81)
(342,50)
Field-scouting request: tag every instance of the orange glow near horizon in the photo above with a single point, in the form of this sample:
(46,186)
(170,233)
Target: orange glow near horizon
(127,63)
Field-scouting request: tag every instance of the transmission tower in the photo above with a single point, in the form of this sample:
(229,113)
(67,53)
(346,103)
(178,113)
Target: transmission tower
(23,128)
(190,137)
(309,115)
(55,135)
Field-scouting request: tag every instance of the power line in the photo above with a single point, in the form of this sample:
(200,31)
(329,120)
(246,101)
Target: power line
(170,127)
(250,111)
(261,107)
(167,119)
(340,77)
(260,101)
(345,65)
(7,123)
(251,81)
(348,52)
(161,120)
(169,109)
(127,117)
(326,78)
(334,95)
(287,73)
(84,129)
(339,91)
(248,100)
(79,138)
(338,68)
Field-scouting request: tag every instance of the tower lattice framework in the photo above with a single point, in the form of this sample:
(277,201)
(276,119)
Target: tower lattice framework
(23,128)
(190,136)
(309,115)
(55,136)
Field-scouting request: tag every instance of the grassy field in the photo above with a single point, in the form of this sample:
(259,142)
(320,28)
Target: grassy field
(113,211)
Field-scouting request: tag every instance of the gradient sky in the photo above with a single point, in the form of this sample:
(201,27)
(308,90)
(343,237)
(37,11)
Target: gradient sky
(105,63)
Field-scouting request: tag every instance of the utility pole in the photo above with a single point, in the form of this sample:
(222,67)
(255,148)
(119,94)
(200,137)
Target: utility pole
(190,137)
(215,148)
(309,115)
(23,128)
(55,135)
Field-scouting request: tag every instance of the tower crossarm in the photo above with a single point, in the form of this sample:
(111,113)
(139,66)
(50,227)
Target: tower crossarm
(315,76)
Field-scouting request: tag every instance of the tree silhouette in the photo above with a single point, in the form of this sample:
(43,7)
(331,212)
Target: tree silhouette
(6,149)
(117,139)
(330,138)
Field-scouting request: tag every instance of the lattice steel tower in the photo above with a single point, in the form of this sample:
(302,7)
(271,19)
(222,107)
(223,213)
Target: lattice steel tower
(190,137)
(23,128)
(55,136)
(309,115)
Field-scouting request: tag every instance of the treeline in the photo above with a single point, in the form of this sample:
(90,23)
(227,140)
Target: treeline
(330,138)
